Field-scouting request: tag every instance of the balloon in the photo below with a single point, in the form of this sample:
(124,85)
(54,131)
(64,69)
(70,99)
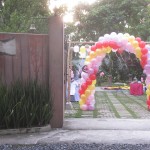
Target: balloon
(93,48)
(88,102)
(148,92)
(142,44)
(99,58)
(81,91)
(135,44)
(101,38)
(84,75)
(91,87)
(83,97)
(88,58)
(138,39)
(76,48)
(91,97)
(90,71)
(84,86)
(99,45)
(144,51)
(82,80)
(82,49)
(83,107)
(81,102)
(144,58)
(92,77)
(98,52)
(94,82)
(113,44)
(105,44)
(148,102)
(120,51)
(126,34)
(91,107)
(149,79)
(89,81)
(92,54)
(87,93)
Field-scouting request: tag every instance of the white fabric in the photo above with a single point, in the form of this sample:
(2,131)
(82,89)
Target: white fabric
(74,84)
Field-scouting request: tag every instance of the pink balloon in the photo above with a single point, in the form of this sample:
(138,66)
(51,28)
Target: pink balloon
(88,102)
(148,77)
(91,71)
(99,58)
(91,97)
(83,107)
(91,107)
(82,80)
(84,75)
(147,69)
(147,82)
(89,65)
(94,61)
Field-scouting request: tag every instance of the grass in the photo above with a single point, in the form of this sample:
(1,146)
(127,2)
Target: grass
(121,100)
(112,106)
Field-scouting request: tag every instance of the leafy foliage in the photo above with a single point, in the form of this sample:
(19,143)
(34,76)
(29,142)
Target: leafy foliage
(24,105)
(120,66)
(18,15)
(108,16)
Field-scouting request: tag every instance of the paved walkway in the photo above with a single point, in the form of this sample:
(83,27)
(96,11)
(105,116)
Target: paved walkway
(113,104)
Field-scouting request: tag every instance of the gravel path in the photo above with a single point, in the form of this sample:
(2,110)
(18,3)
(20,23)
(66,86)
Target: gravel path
(75,146)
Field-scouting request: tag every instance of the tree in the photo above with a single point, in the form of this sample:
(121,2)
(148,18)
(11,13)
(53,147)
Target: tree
(106,16)
(18,15)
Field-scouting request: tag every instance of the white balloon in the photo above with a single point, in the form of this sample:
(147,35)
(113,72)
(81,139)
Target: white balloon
(101,38)
(76,48)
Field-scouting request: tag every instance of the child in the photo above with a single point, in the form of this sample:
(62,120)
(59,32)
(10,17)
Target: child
(73,89)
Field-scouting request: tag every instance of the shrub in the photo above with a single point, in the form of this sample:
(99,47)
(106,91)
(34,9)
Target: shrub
(24,104)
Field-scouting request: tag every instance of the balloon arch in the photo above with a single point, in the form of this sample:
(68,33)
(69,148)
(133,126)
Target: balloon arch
(111,42)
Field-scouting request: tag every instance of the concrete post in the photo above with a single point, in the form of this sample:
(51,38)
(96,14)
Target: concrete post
(56,69)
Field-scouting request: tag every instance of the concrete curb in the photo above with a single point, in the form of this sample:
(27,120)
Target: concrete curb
(25,130)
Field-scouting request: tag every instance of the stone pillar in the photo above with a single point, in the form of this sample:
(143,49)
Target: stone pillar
(56,69)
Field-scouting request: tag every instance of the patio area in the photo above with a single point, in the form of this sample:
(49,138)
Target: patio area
(113,104)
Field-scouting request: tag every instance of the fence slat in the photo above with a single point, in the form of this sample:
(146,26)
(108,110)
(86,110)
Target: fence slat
(30,61)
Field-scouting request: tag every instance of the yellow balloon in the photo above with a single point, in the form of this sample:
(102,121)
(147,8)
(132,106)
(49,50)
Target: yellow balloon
(108,50)
(135,44)
(87,93)
(138,52)
(92,55)
(82,49)
(94,82)
(126,35)
(148,86)
(148,92)
(81,102)
(131,38)
(91,87)
(88,59)
(83,97)
(98,52)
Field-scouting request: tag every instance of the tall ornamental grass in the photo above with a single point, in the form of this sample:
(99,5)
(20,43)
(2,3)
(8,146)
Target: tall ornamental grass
(24,104)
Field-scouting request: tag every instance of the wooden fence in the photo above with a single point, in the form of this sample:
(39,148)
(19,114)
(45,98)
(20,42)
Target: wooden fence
(31,59)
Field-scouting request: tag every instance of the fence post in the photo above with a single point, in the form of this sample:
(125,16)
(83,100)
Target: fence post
(56,69)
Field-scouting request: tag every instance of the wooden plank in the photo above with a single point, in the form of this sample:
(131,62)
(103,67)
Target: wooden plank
(17,60)
(45,67)
(24,56)
(32,57)
(39,58)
